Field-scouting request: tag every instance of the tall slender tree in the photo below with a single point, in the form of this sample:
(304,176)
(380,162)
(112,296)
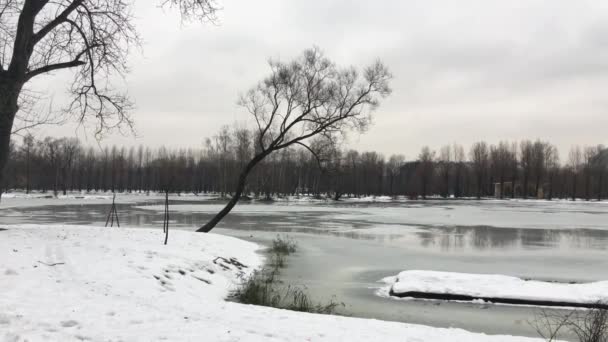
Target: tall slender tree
(480,160)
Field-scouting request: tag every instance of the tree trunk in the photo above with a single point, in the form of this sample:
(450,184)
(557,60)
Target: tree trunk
(237,194)
(8,110)
(574,187)
(587,184)
(457,182)
(551,179)
(513,179)
(447,183)
(27,173)
(599,186)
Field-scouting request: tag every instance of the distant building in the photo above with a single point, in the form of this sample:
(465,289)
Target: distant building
(509,188)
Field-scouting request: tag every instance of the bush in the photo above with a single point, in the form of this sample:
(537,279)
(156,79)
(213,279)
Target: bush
(263,288)
(283,245)
(297,299)
(587,325)
(258,289)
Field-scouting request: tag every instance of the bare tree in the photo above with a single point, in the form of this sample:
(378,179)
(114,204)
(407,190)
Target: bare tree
(445,162)
(513,167)
(574,163)
(588,167)
(539,164)
(52,152)
(459,159)
(480,160)
(426,169)
(28,149)
(552,167)
(600,166)
(303,99)
(69,148)
(223,143)
(500,159)
(393,168)
(90,37)
(527,164)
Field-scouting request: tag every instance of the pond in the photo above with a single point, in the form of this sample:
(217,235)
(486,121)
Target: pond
(345,248)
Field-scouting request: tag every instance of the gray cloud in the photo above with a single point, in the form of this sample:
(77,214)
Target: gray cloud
(464,70)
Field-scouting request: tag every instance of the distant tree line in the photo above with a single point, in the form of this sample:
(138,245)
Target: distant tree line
(526,169)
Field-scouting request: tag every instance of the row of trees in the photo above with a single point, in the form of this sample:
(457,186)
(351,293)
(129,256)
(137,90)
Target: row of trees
(507,169)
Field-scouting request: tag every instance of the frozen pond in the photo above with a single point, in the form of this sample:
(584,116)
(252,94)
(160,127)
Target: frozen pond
(345,248)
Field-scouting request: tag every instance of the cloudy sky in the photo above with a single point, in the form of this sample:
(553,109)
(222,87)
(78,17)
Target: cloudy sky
(463,70)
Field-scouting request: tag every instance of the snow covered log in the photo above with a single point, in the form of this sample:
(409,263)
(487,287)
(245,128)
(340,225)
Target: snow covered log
(497,289)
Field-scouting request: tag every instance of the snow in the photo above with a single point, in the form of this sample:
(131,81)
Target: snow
(343,199)
(496,286)
(66,283)
(20,199)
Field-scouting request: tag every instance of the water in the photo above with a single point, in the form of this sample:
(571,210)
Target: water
(345,249)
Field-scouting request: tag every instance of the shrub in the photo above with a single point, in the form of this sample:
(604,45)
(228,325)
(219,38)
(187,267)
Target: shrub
(283,245)
(263,288)
(587,325)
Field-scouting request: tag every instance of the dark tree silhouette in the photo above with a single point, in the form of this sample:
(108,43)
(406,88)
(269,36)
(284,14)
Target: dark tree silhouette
(304,99)
(64,164)
(92,37)
(480,160)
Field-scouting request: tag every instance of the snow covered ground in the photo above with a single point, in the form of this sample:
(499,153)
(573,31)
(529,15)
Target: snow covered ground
(64,283)
(496,286)
(35,199)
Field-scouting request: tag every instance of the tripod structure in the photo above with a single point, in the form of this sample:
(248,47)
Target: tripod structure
(113,214)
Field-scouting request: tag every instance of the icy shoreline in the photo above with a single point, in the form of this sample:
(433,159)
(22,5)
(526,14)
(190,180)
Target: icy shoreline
(67,283)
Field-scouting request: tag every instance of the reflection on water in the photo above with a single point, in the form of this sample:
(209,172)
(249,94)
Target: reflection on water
(484,237)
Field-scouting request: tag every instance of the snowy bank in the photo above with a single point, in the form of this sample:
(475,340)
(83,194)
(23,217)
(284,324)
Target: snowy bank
(65,283)
(19,199)
(495,288)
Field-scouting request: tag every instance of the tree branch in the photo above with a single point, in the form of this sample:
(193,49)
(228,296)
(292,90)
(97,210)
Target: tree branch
(314,153)
(61,18)
(52,67)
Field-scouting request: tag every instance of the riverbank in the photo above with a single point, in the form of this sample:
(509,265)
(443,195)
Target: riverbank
(68,283)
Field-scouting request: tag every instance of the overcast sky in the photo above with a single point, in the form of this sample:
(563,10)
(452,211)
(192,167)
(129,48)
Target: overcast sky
(463,70)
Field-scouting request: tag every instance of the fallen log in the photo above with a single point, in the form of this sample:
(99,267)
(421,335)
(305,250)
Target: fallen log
(496,300)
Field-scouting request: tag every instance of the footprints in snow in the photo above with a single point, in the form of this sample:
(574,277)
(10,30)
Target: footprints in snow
(199,271)
(69,324)
(225,263)
(10,272)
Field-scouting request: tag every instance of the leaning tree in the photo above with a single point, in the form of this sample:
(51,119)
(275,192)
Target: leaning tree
(90,37)
(305,99)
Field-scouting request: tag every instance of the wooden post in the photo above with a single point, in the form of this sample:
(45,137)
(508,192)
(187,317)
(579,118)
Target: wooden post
(166,218)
